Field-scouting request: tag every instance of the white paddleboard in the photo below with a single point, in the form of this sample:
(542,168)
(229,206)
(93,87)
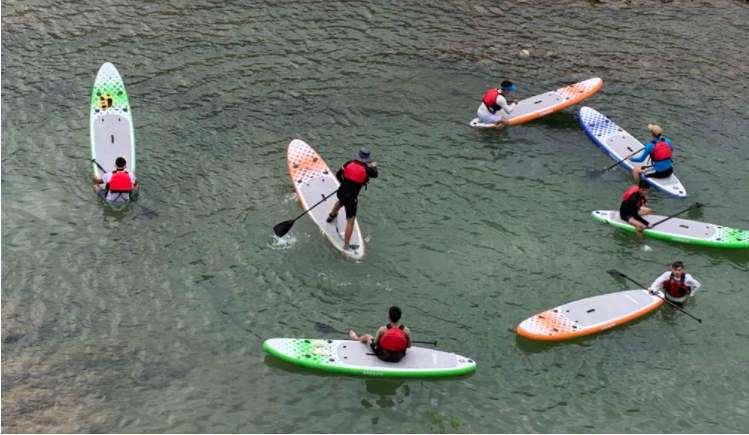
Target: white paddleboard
(353,357)
(313,181)
(588,316)
(541,105)
(111,122)
(619,144)
(682,230)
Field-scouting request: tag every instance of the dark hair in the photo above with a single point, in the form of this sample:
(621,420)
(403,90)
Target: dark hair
(644,184)
(506,84)
(395,314)
(120,162)
(677,264)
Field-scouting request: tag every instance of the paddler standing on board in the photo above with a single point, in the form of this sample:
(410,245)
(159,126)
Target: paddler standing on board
(676,284)
(659,150)
(632,207)
(353,175)
(494,100)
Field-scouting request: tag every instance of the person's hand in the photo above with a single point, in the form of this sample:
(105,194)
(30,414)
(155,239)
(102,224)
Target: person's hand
(515,101)
(650,225)
(628,157)
(374,164)
(94,177)
(650,290)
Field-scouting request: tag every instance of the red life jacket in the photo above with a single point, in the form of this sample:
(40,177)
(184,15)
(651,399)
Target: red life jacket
(120,182)
(394,340)
(631,191)
(490,99)
(661,151)
(356,171)
(676,287)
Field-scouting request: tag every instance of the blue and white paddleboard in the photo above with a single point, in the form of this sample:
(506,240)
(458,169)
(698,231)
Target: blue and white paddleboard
(619,144)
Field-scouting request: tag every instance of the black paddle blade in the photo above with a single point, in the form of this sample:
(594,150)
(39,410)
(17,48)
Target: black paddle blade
(614,272)
(597,173)
(326,329)
(147,212)
(283,228)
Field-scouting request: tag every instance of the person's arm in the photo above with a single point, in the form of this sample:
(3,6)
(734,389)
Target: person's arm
(693,284)
(408,336)
(380,333)
(656,285)
(372,170)
(134,180)
(339,174)
(97,180)
(645,153)
(501,102)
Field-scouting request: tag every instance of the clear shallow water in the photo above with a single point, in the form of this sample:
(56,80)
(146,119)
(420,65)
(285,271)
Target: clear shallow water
(116,322)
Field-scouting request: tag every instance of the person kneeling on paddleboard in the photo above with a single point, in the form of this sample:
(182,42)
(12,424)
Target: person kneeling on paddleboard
(119,184)
(494,101)
(659,150)
(391,341)
(676,284)
(632,207)
(353,175)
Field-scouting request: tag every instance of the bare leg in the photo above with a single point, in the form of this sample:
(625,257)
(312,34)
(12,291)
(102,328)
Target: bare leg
(502,124)
(363,339)
(349,231)
(645,210)
(96,188)
(336,207)
(637,224)
(636,171)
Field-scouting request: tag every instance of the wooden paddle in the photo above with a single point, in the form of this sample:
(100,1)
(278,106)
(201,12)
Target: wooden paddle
(327,329)
(617,273)
(284,227)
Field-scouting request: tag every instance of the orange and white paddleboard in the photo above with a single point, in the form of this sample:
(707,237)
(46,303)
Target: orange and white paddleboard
(540,105)
(588,316)
(313,181)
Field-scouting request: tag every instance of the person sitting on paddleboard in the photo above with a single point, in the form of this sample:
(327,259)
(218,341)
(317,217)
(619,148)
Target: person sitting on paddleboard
(632,207)
(659,150)
(119,184)
(675,284)
(493,101)
(391,341)
(353,175)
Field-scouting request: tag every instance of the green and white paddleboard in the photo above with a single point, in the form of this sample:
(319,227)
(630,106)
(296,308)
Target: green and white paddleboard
(111,122)
(355,358)
(682,230)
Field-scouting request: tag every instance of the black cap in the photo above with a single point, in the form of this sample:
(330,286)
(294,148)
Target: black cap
(363,156)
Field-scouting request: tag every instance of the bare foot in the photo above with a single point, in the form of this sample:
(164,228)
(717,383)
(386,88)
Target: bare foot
(352,334)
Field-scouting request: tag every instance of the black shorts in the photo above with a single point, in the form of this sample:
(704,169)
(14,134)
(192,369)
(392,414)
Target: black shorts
(665,174)
(349,203)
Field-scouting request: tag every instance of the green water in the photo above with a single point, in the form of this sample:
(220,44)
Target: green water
(115,322)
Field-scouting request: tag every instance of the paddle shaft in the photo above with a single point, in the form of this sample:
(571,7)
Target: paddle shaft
(665,299)
(335,331)
(324,198)
(695,205)
(620,161)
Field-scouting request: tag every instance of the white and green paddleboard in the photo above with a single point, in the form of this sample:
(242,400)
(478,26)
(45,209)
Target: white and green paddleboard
(111,122)
(355,358)
(682,230)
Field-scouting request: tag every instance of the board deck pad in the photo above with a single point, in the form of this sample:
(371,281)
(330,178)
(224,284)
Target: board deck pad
(543,104)
(588,316)
(313,180)
(682,230)
(619,144)
(111,121)
(353,357)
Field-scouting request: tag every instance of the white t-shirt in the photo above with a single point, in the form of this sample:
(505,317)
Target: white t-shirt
(501,102)
(118,196)
(690,282)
